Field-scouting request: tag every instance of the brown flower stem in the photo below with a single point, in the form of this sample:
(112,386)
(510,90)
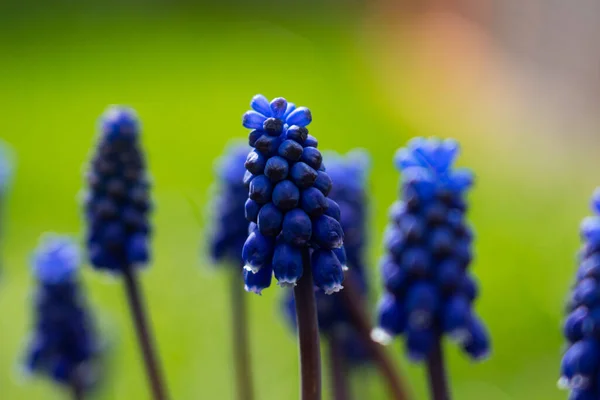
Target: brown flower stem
(240,340)
(361,323)
(144,335)
(308,334)
(338,368)
(436,371)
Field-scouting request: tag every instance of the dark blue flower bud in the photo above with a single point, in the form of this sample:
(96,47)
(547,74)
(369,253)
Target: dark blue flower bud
(442,242)
(276,169)
(581,360)
(268,145)
(456,316)
(253,120)
(419,342)
(469,288)
(587,293)
(327,232)
(120,123)
(312,157)
(449,276)
(278,107)
(422,301)
(313,202)
(340,253)
(247,178)
(255,163)
(311,141)
(270,219)
(323,182)
(287,264)
(260,104)
(333,209)
(273,126)
(327,270)
(416,261)
(573,327)
(393,276)
(303,175)
(259,281)
(301,116)
(590,268)
(261,189)
(477,342)
(251,209)
(253,137)
(394,241)
(297,227)
(412,227)
(297,134)
(392,317)
(257,251)
(290,150)
(286,195)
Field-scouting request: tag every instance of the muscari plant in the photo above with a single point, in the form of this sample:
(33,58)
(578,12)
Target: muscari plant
(343,320)
(117,207)
(429,291)
(63,345)
(295,227)
(227,236)
(580,369)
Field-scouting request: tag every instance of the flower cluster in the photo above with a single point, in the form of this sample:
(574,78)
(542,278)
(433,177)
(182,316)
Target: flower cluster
(580,370)
(63,342)
(429,291)
(118,199)
(349,177)
(292,217)
(230,228)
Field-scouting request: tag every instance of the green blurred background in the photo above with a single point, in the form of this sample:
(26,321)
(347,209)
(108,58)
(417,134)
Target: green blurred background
(373,77)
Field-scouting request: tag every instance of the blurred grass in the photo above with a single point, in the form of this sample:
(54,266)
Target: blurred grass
(190,75)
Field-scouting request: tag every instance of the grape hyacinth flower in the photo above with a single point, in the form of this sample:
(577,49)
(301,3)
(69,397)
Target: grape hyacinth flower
(429,292)
(63,344)
(580,369)
(227,237)
(118,228)
(295,229)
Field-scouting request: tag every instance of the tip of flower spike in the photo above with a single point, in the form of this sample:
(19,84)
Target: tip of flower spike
(56,259)
(381,336)
(251,268)
(596,201)
(563,383)
(336,287)
(119,122)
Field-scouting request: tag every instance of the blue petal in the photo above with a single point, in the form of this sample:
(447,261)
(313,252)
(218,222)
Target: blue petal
(257,251)
(301,116)
(260,104)
(290,107)
(582,358)
(253,120)
(257,282)
(278,107)
(297,227)
(287,264)
(391,315)
(328,274)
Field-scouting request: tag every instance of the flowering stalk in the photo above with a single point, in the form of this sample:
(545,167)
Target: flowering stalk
(226,240)
(63,345)
(295,228)
(580,368)
(117,207)
(429,292)
(339,368)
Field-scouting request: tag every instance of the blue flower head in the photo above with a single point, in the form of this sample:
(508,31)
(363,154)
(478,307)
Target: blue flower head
(118,198)
(63,342)
(580,369)
(349,176)
(230,228)
(429,291)
(288,188)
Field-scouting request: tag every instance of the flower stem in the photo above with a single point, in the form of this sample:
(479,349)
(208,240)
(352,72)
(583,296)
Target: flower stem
(338,368)
(76,391)
(436,371)
(136,305)
(308,334)
(360,321)
(241,343)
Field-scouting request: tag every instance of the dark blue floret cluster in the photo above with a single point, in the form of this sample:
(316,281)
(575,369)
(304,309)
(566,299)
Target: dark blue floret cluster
(349,176)
(230,228)
(580,369)
(118,198)
(292,217)
(429,291)
(63,342)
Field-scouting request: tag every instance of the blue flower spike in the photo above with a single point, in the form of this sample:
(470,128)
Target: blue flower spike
(230,205)
(63,344)
(118,199)
(287,198)
(430,292)
(580,368)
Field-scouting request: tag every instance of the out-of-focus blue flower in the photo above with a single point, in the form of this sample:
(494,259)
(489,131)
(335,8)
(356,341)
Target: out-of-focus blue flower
(287,191)
(428,243)
(229,228)
(118,197)
(63,345)
(580,369)
(348,189)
